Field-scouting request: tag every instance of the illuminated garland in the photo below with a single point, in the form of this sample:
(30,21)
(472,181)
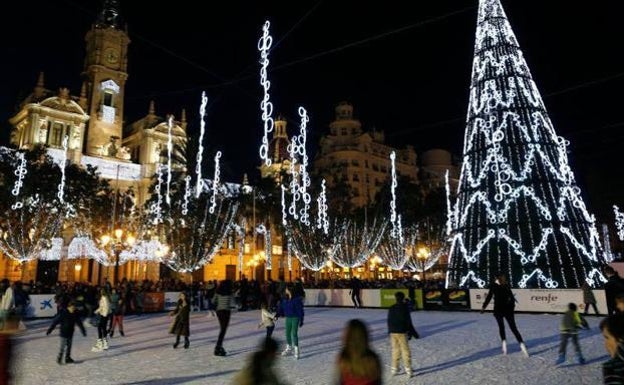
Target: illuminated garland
(240,231)
(619,222)
(295,193)
(215,182)
(289,257)
(84,247)
(61,187)
(311,246)
(200,146)
(268,248)
(264,44)
(305,177)
(54,252)
(517,199)
(395,220)
(169,151)
(157,206)
(20,173)
(322,221)
(606,240)
(358,243)
(187,194)
(284,210)
(151,250)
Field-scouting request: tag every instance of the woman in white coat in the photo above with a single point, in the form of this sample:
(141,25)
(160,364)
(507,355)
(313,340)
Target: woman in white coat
(103,312)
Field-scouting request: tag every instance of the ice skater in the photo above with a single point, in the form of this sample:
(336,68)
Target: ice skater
(103,312)
(504,306)
(223,301)
(291,307)
(181,323)
(356,286)
(588,298)
(401,329)
(68,319)
(571,322)
(357,362)
(267,319)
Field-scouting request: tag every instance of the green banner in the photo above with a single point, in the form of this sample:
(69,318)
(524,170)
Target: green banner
(387,297)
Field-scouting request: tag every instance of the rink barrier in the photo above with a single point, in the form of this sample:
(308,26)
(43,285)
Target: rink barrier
(543,300)
(527,300)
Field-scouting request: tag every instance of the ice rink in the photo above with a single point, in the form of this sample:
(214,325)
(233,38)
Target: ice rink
(455,348)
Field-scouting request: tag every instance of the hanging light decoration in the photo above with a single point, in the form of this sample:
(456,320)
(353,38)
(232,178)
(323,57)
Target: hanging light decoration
(264,45)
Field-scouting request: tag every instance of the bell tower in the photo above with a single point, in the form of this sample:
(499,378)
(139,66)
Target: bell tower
(105,74)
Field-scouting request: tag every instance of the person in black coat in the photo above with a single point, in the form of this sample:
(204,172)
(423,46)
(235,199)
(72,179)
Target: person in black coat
(401,329)
(181,323)
(356,286)
(68,319)
(613,287)
(504,305)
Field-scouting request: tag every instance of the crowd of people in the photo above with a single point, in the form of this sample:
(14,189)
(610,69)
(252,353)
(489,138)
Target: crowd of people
(357,363)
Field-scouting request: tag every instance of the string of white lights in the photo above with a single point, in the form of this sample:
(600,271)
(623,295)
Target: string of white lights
(215,182)
(395,220)
(284,210)
(169,155)
(264,45)
(157,206)
(53,253)
(515,180)
(187,194)
(619,222)
(61,186)
(305,177)
(268,248)
(200,145)
(240,231)
(606,241)
(322,221)
(84,247)
(20,173)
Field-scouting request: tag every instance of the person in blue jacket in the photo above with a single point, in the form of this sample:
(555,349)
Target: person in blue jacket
(291,308)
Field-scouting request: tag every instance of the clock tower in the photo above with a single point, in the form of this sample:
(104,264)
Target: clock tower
(105,74)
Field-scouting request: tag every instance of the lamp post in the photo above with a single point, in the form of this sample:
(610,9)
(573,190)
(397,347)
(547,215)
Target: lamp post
(121,240)
(423,255)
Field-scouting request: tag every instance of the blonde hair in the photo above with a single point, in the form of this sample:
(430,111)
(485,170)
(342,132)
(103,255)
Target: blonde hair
(356,356)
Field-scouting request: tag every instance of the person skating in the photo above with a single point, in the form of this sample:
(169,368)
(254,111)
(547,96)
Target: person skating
(571,322)
(357,363)
(291,307)
(223,301)
(588,298)
(612,329)
(103,312)
(267,319)
(401,329)
(356,286)
(181,323)
(504,306)
(260,369)
(118,315)
(68,319)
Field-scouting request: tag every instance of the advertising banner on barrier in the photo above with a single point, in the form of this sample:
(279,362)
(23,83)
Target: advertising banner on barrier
(541,300)
(387,297)
(41,305)
(153,302)
(434,299)
(171,300)
(340,297)
(457,299)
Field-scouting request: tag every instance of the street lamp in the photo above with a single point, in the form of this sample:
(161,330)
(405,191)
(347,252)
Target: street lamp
(122,239)
(423,255)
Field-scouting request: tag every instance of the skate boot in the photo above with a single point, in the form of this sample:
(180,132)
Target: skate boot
(187,343)
(561,359)
(504,347)
(69,360)
(104,343)
(98,346)
(296,352)
(176,343)
(394,371)
(580,359)
(524,349)
(409,372)
(122,332)
(287,350)
(59,359)
(219,351)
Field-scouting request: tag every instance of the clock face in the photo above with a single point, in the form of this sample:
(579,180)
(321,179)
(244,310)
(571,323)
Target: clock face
(111,56)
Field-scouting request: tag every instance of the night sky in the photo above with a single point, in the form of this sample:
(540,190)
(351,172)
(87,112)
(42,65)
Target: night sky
(413,84)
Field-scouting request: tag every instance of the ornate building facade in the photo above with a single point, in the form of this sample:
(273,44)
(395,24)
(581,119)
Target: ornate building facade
(360,159)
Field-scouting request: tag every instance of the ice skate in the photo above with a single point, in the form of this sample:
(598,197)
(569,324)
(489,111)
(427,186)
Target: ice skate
(561,359)
(504,347)
(580,359)
(296,352)
(287,351)
(98,346)
(104,344)
(524,349)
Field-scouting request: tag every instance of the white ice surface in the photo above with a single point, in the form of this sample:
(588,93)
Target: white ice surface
(455,348)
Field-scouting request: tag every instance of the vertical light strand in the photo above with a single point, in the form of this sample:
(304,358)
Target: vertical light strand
(264,45)
(619,222)
(606,240)
(169,154)
(187,194)
(284,210)
(305,177)
(289,257)
(322,221)
(157,207)
(200,145)
(215,182)
(20,173)
(395,220)
(61,186)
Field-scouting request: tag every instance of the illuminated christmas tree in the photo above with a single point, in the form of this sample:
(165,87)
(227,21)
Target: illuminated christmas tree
(518,210)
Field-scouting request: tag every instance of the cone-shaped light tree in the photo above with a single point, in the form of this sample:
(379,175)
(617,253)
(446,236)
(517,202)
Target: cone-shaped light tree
(518,209)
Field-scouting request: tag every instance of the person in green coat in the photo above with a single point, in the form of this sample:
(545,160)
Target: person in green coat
(181,323)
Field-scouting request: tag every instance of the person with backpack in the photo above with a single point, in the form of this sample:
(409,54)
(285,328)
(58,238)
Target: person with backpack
(504,306)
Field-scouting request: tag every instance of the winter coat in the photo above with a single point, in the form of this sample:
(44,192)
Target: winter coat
(613,287)
(181,323)
(292,308)
(223,302)
(268,318)
(68,322)
(504,300)
(588,296)
(400,320)
(613,370)
(571,322)
(104,308)
(7,302)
